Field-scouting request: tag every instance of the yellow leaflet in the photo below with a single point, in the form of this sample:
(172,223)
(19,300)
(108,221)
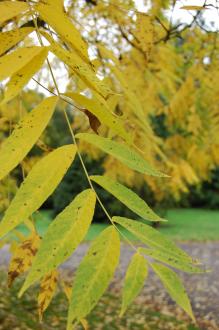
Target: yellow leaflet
(59,21)
(22,76)
(174,287)
(94,274)
(47,290)
(134,280)
(10,38)
(145,32)
(25,134)
(13,62)
(102,112)
(82,69)
(22,257)
(63,236)
(37,186)
(9,9)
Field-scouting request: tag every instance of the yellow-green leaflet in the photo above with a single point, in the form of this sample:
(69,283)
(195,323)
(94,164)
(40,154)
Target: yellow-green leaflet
(81,69)
(152,238)
(172,261)
(22,76)
(14,61)
(59,21)
(63,236)
(94,274)
(104,115)
(25,134)
(134,280)
(120,151)
(127,197)
(10,38)
(37,186)
(10,9)
(174,287)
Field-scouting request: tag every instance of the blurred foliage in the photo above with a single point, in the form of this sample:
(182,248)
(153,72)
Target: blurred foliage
(174,84)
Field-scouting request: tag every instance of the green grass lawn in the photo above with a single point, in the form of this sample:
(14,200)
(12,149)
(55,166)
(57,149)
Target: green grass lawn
(182,225)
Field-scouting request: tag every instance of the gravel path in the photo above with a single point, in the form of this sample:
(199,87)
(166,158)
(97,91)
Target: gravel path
(203,289)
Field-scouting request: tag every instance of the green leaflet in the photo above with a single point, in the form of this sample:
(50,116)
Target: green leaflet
(153,238)
(9,39)
(20,78)
(127,197)
(37,186)
(102,112)
(63,236)
(171,260)
(123,153)
(25,134)
(174,287)
(94,274)
(134,280)
(11,63)
(9,9)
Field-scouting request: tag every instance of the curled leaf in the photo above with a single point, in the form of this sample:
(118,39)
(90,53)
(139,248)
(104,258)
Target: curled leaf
(47,290)
(22,257)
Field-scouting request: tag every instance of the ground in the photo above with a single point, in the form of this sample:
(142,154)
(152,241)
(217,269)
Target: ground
(153,309)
